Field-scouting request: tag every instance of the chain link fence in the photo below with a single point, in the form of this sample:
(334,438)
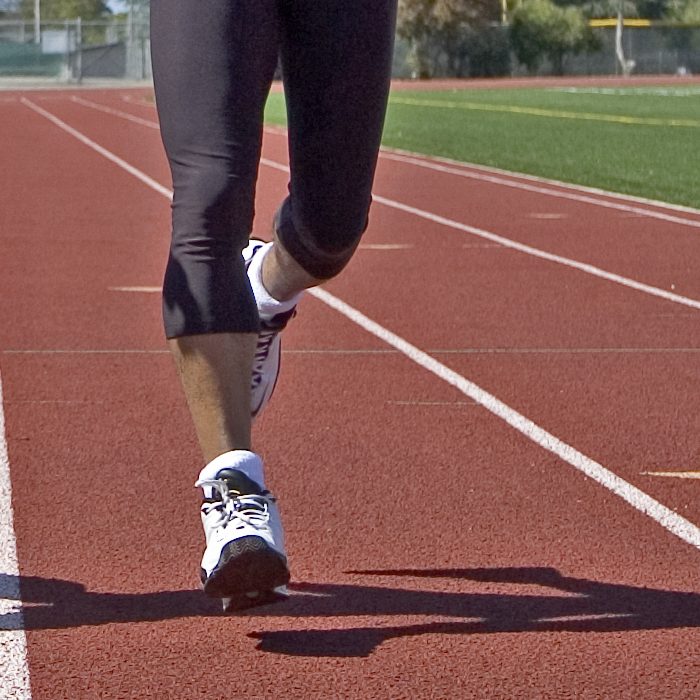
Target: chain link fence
(653,50)
(72,50)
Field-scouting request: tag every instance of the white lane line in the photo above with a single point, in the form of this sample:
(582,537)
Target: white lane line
(476,171)
(138,101)
(548,191)
(644,503)
(415,211)
(114,112)
(14,671)
(673,522)
(674,475)
(462,165)
(99,149)
(142,290)
(521,247)
(542,254)
(485,174)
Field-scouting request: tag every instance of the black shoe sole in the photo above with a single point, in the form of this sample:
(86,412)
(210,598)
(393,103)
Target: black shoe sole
(247,565)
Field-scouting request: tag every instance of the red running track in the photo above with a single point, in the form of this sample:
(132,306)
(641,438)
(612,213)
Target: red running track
(437,552)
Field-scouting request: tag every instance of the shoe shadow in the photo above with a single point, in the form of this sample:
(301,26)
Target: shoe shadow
(582,606)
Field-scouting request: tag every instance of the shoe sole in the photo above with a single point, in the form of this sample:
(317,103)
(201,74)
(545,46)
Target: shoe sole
(248,572)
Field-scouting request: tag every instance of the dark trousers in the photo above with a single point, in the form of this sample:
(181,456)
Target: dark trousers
(213,63)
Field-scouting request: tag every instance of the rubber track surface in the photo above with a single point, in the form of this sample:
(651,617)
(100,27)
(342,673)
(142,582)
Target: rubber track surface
(435,551)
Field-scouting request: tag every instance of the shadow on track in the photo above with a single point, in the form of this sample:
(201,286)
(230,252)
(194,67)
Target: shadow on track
(588,606)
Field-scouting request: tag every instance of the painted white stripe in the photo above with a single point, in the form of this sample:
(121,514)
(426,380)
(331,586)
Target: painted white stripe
(542,254)
(476,172)
(424,160)
(115,112)
(667,518)
(543,180)
(138,101)
(583,618)
(679,526)
(530,250)
(99,149)
(538,189)
(14,671)
(435,218)
(385,246)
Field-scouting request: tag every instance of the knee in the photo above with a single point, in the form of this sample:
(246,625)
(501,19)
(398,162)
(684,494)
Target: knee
(324,245)
(213,208)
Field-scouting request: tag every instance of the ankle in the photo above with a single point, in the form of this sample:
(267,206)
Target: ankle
(269,305)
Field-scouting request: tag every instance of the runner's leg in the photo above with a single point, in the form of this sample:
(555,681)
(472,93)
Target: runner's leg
(336,58)
(213,62)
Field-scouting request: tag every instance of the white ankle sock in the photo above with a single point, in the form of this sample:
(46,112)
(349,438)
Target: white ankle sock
(247,462)
(268,306)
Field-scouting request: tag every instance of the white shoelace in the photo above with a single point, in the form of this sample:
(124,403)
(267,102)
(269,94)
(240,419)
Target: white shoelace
(252,509)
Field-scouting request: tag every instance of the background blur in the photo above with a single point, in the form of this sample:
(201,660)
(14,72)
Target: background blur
(73,40)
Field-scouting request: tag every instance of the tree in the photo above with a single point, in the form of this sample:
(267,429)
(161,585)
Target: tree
(685,11)
(432,27)
(67,9)
(540,29)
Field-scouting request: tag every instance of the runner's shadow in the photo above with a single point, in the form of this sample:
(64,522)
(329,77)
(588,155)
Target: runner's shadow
(587,606)
(571,604)
(49,603)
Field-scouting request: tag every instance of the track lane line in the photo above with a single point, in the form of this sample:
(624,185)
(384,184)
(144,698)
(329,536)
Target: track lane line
(415,211)
(511,175)
(523,248)
(638,499)
(14,670)
(635,497)
(495,176)
(153,184)
(538,189)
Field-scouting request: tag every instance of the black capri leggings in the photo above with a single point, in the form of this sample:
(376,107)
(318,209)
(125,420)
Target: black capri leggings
(213,63)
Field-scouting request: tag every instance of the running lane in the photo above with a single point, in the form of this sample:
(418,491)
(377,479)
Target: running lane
(436,552)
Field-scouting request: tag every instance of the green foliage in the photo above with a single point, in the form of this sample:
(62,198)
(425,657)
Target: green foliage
(67,9)
(540,29)
(686,11)
(488,52)
(434,27)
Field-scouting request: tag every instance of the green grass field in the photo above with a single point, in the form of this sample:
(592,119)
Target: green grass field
(642,141)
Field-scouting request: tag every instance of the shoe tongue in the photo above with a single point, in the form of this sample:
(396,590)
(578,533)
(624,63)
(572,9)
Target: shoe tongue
(236,480)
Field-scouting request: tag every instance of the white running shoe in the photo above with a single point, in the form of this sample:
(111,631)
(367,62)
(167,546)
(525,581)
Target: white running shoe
(244,562)
(266,365)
